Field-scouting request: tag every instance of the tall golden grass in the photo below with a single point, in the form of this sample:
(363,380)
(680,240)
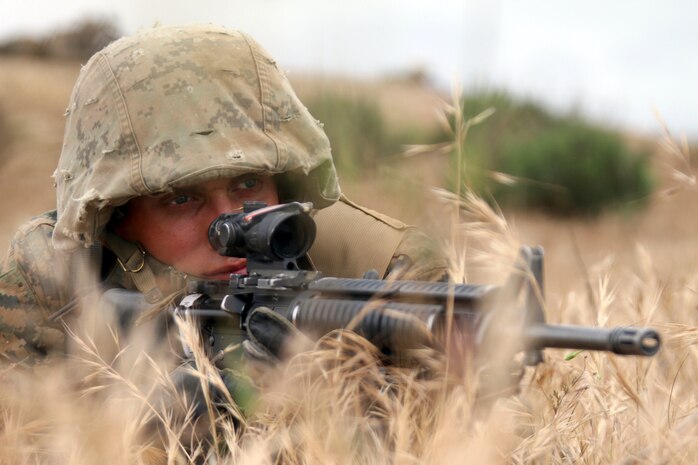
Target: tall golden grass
(113,399)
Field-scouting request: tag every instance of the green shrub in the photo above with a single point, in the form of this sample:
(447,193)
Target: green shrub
(573,168)
(513,120)
(561,164)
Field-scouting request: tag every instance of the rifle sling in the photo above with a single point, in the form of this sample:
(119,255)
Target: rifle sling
(132,259)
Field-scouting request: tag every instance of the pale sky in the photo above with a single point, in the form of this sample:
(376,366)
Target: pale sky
(614,61)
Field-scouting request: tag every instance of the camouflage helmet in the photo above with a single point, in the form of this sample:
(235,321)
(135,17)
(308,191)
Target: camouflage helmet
(175,106)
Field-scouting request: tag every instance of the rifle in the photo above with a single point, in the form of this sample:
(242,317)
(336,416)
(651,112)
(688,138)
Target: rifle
(393,315)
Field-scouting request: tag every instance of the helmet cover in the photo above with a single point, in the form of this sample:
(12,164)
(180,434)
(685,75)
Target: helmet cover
(176,106)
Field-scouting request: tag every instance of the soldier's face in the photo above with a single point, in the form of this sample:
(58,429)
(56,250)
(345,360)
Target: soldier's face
(174,227)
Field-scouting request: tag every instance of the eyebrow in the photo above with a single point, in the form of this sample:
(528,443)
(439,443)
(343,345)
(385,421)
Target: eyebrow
(198,190)
(175,191)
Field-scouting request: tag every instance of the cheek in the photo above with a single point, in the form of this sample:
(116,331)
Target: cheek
(175,240)
(178,245)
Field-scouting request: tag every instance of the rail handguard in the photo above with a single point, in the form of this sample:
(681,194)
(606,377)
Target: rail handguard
(393,315)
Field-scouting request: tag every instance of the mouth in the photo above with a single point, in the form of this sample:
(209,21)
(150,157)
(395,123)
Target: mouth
(237,266)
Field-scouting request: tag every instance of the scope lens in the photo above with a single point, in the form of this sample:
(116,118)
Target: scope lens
(292,237)
(226,236)
(271,236)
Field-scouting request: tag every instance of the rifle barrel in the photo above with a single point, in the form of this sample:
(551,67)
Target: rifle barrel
(623,340)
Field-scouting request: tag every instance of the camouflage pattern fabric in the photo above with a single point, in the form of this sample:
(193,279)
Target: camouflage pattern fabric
(177,106)
(29,294)
(166,108)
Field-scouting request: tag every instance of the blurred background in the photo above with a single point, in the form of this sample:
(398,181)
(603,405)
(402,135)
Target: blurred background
(574,153)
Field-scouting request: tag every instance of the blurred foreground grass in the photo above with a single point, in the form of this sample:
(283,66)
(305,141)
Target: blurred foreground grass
(337,405)
(113,399)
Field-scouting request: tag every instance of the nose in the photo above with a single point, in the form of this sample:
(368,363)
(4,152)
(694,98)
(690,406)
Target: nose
(221,203)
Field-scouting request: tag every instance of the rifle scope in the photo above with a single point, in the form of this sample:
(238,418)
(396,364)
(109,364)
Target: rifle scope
(271,233)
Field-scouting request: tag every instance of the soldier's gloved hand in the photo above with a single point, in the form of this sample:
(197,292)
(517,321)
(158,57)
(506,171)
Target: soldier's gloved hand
(190,385)
(272,338)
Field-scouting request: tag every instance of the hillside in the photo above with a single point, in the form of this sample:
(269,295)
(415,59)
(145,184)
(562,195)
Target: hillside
(33,97)
(34,93)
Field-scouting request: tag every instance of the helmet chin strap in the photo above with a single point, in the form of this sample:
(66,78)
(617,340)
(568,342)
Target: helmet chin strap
(142,268)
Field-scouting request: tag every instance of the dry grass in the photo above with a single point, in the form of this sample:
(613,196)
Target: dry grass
(339,404)
(113,400)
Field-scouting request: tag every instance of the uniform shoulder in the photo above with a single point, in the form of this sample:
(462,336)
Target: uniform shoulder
(32,241)
(352,239)
(27,296)
(42,267)
(39,228)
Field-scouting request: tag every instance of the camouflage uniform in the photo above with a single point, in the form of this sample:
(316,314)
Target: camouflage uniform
(166,108)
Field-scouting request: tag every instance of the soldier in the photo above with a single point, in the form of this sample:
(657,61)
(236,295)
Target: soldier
(166,130)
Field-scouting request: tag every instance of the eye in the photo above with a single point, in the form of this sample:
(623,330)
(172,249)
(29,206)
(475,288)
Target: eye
(248,184)
(179,199)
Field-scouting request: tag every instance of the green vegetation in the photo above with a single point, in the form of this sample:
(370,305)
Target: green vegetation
(525,156)
(358,133)
(574,169)
(522,156)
